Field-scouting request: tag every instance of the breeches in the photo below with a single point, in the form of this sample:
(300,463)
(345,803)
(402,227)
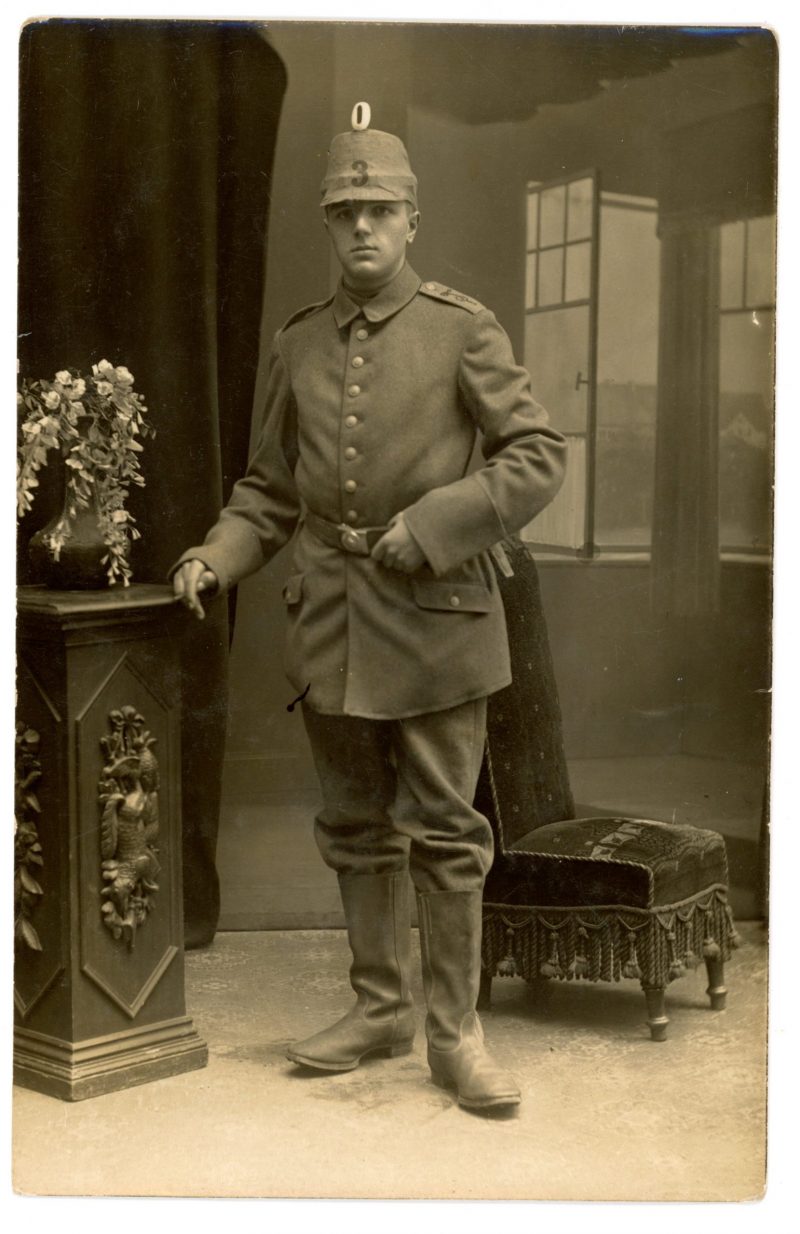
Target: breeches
(397,794)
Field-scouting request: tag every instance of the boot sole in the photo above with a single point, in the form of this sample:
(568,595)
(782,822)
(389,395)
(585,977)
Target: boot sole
(396,1050)
(487,1103)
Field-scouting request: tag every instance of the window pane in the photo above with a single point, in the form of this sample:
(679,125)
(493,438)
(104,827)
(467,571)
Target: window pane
(579,272)
(551,268)
(627,364)
(556,353)
(628,296)
(552,223)
(745,420)
(533,215)
(760,286)
(563,521)
(731,262)
(625,467)
(530,281)
(579,209)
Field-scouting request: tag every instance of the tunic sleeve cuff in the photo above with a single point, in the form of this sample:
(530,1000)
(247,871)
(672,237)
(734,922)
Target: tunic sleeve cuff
(453,523)
(232,550)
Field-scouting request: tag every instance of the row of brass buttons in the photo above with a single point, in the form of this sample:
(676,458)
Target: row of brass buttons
(351,421)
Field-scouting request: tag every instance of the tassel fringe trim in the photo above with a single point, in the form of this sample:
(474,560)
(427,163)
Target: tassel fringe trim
(608,943)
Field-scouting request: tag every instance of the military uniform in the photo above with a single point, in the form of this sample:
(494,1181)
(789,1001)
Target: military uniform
(373,406)
(372,410)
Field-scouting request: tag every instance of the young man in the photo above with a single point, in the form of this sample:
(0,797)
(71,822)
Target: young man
(395,623)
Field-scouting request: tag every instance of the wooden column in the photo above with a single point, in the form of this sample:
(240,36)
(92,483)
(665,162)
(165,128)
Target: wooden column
(716,170)
(99,974)
(685,564)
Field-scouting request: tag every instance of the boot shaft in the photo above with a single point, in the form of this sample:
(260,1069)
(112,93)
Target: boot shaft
(450,940)
(378,916)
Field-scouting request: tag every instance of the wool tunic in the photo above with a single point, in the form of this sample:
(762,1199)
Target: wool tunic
(372,410)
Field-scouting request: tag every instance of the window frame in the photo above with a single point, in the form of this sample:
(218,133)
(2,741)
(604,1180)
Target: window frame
(752,553)
(588,550)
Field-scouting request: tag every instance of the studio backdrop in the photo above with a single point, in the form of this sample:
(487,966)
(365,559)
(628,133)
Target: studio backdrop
(144,183)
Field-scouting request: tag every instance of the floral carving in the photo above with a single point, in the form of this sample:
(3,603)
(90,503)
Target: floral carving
(128,796)
(27,848)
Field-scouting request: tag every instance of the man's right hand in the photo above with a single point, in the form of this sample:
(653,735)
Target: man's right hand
(189,580)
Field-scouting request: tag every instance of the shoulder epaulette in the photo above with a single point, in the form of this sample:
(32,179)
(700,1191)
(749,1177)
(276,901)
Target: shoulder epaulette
(438,291)
(308,311)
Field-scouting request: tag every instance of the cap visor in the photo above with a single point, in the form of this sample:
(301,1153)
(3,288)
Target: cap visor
(369,193)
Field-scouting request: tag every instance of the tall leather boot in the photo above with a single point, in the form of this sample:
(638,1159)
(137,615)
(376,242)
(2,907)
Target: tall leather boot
(450,936)
(376,909)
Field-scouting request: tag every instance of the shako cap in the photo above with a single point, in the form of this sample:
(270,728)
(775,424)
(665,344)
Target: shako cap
(368,165)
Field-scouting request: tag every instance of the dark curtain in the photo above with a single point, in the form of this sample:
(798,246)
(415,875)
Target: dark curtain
(145,157)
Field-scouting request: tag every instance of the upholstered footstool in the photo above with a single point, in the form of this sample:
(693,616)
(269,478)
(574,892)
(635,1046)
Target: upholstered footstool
(597,899)
(601,899)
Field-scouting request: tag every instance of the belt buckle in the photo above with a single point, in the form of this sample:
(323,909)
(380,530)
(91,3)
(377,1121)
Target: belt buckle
(352,541)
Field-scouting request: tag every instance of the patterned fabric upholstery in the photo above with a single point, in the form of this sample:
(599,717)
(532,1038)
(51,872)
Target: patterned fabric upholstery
(594,861)
(524,741)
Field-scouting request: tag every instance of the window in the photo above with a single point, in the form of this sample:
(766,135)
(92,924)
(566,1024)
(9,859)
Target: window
(591,346)
(746,383)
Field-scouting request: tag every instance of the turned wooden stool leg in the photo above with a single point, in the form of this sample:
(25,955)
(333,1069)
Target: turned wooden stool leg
(656,1012)
(717,990)
(485,991)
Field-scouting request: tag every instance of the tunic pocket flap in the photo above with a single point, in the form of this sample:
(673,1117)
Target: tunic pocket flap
(452,597)
(293,589)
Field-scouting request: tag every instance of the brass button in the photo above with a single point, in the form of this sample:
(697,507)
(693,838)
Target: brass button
(353,391)
(357,361)
(350,452)
(362,334)
(350,486)
(351,421)
(455,601)
(351,516)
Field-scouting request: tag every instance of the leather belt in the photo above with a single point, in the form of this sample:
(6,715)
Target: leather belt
(358,540)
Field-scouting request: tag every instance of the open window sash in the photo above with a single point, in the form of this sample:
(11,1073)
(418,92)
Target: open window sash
(561,294)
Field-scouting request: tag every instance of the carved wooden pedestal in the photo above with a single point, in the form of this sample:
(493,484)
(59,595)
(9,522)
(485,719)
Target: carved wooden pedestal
(98,981)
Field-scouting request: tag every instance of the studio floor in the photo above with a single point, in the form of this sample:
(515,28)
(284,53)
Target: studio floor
(607,1114)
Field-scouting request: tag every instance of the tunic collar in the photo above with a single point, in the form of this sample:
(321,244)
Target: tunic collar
(390,299)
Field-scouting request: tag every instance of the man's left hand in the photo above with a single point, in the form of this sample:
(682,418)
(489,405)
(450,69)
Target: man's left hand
(397,549)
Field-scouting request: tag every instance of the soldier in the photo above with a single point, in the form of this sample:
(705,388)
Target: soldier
(396,629)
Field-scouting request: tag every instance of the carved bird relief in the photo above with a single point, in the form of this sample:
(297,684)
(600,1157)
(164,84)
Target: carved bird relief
(128,825)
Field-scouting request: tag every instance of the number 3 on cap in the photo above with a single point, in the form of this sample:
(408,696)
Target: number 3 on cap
(359,181)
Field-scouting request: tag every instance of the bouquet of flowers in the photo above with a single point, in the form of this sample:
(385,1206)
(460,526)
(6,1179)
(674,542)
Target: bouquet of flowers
(97,423)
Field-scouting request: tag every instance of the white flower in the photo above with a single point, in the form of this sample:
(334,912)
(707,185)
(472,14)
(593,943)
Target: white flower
(78,390)
(103,367)
(51,399)
(119,516)
(124,376)
(64,377)
(105,388)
